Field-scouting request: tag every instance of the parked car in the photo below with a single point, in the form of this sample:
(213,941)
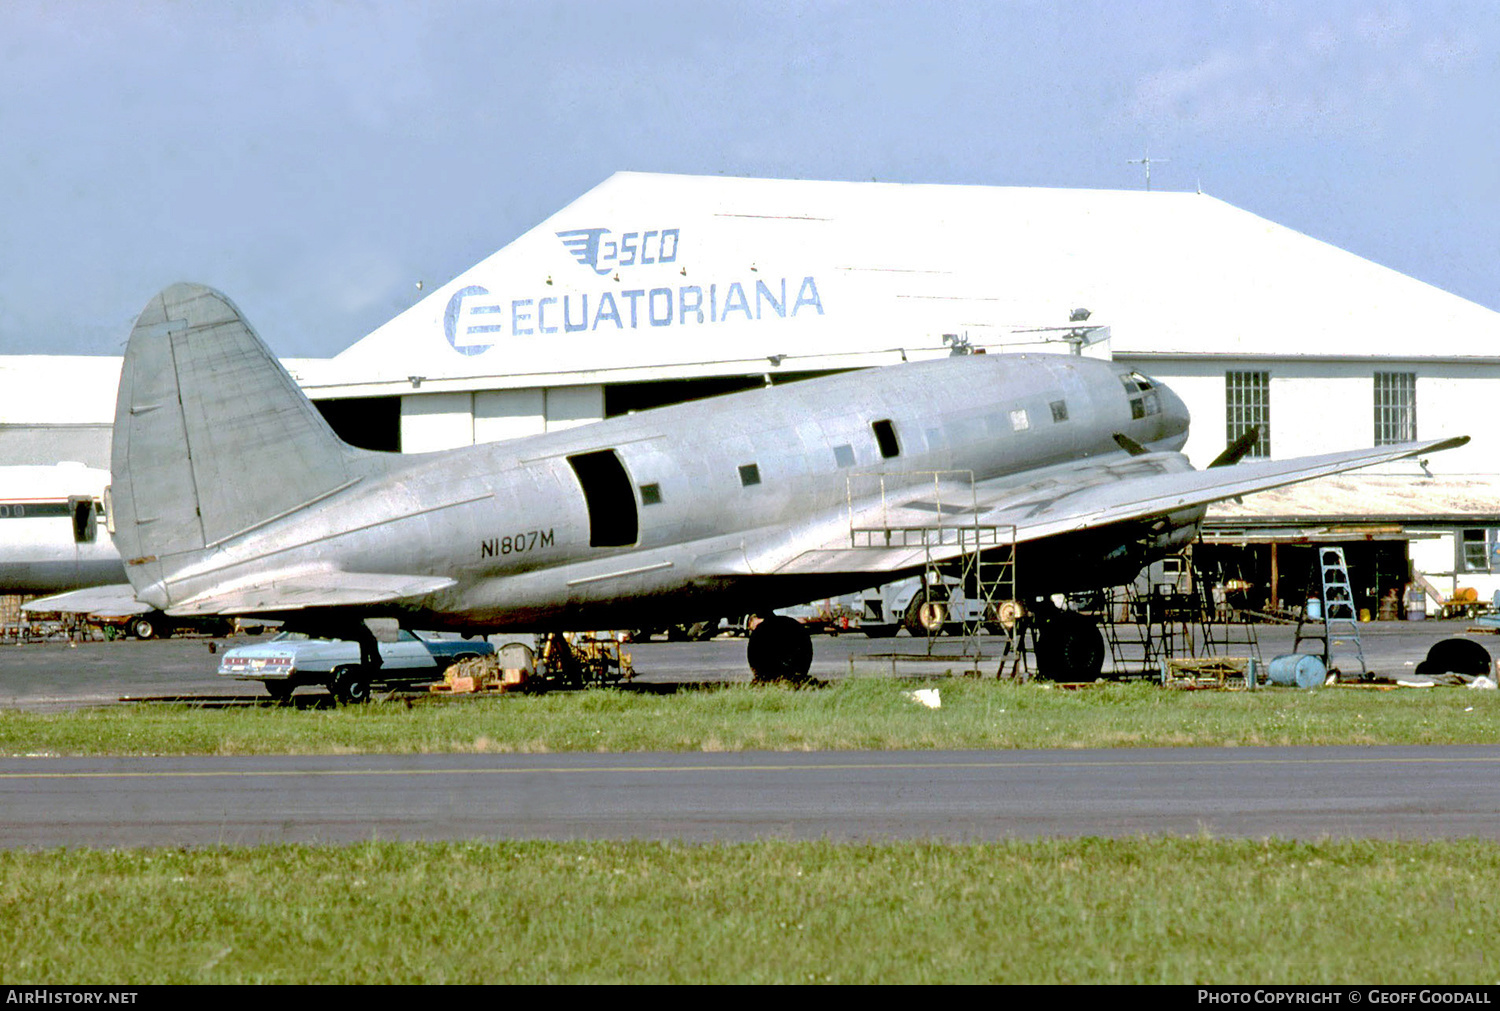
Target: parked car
(293,658)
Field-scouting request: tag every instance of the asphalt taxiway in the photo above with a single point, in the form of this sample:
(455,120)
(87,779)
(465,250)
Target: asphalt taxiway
(55,675)
(1295,793)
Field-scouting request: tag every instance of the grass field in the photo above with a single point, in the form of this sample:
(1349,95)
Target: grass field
(1083,911)
(858,713)
(1105,911)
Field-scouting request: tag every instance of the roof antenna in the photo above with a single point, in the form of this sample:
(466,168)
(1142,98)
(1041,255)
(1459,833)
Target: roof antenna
(1146,161)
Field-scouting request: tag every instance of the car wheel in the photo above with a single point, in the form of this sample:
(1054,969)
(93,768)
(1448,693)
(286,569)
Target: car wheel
(280,691)
(351,685)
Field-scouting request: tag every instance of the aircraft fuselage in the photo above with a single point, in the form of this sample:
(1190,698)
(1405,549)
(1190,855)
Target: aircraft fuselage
(688,507)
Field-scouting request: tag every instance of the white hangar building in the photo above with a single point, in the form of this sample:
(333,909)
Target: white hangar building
(650,289)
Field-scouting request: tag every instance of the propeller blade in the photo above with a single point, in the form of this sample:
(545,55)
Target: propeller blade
(1236,450)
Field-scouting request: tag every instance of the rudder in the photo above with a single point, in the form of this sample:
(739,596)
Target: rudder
(211,436)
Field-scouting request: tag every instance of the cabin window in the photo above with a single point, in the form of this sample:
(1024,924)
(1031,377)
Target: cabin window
(843,455)
(613,522)
(1019,422)
(651,494)
(1059,410)
(885,438)
(85,527)
(749,474)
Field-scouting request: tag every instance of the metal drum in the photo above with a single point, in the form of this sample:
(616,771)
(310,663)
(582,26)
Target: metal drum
(1300,669)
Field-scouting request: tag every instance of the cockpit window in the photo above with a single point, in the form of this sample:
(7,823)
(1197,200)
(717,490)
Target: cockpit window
(1144,401)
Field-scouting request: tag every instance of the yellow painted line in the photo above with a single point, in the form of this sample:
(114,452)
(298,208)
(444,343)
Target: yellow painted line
(836,767)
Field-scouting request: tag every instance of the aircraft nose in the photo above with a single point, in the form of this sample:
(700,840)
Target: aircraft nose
(1175,416)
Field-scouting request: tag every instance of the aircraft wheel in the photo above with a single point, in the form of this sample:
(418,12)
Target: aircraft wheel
(925,616)
(1070,648)
(779,649)
(280,691)
(1456,656)
(144,628)
(351,685)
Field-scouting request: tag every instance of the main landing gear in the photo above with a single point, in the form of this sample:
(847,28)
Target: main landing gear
(1069,646)
(779,650)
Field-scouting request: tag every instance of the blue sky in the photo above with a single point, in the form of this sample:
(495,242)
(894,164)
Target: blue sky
(314,160)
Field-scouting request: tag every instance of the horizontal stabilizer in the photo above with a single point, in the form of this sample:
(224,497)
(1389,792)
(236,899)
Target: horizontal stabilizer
(295,591)
(116,601)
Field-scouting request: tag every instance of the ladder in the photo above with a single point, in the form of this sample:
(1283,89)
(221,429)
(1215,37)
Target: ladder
(1338,616)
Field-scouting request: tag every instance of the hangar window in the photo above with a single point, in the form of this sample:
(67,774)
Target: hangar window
(613,521)
(1059,410)
(749,474)
(885,437)
(1247,405)
(1479,550)
(1395,407)
(651,494)
(843,455)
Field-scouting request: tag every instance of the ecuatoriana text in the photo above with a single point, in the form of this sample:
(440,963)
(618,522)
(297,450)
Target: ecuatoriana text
(475,313)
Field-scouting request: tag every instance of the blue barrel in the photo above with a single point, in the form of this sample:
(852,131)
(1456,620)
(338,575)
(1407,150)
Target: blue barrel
(1301,669)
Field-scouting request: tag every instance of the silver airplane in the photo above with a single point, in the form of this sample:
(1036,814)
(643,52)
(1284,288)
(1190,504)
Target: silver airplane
(232,496)
(50,535)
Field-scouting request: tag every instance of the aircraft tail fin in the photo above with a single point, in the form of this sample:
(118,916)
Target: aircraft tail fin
(211,436)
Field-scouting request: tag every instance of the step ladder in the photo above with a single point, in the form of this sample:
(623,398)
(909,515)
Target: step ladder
(1337,629)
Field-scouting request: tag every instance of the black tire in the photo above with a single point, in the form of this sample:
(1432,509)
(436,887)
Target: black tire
(351,685)
(925,616)
(145,627)
(879,631)
(1069,648)
(779,649)
(1456,656)
(280,691)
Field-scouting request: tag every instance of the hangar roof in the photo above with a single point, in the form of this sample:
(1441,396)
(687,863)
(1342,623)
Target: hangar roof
(672,270)
(1368,499)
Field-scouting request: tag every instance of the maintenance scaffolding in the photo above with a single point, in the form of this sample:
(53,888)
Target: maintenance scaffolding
(978,558)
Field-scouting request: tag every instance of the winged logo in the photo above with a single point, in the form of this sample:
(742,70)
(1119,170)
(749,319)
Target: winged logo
(583,243)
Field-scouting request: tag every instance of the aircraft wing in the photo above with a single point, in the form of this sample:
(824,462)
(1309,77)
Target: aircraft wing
(116,601)
(296,590)
(929,521)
